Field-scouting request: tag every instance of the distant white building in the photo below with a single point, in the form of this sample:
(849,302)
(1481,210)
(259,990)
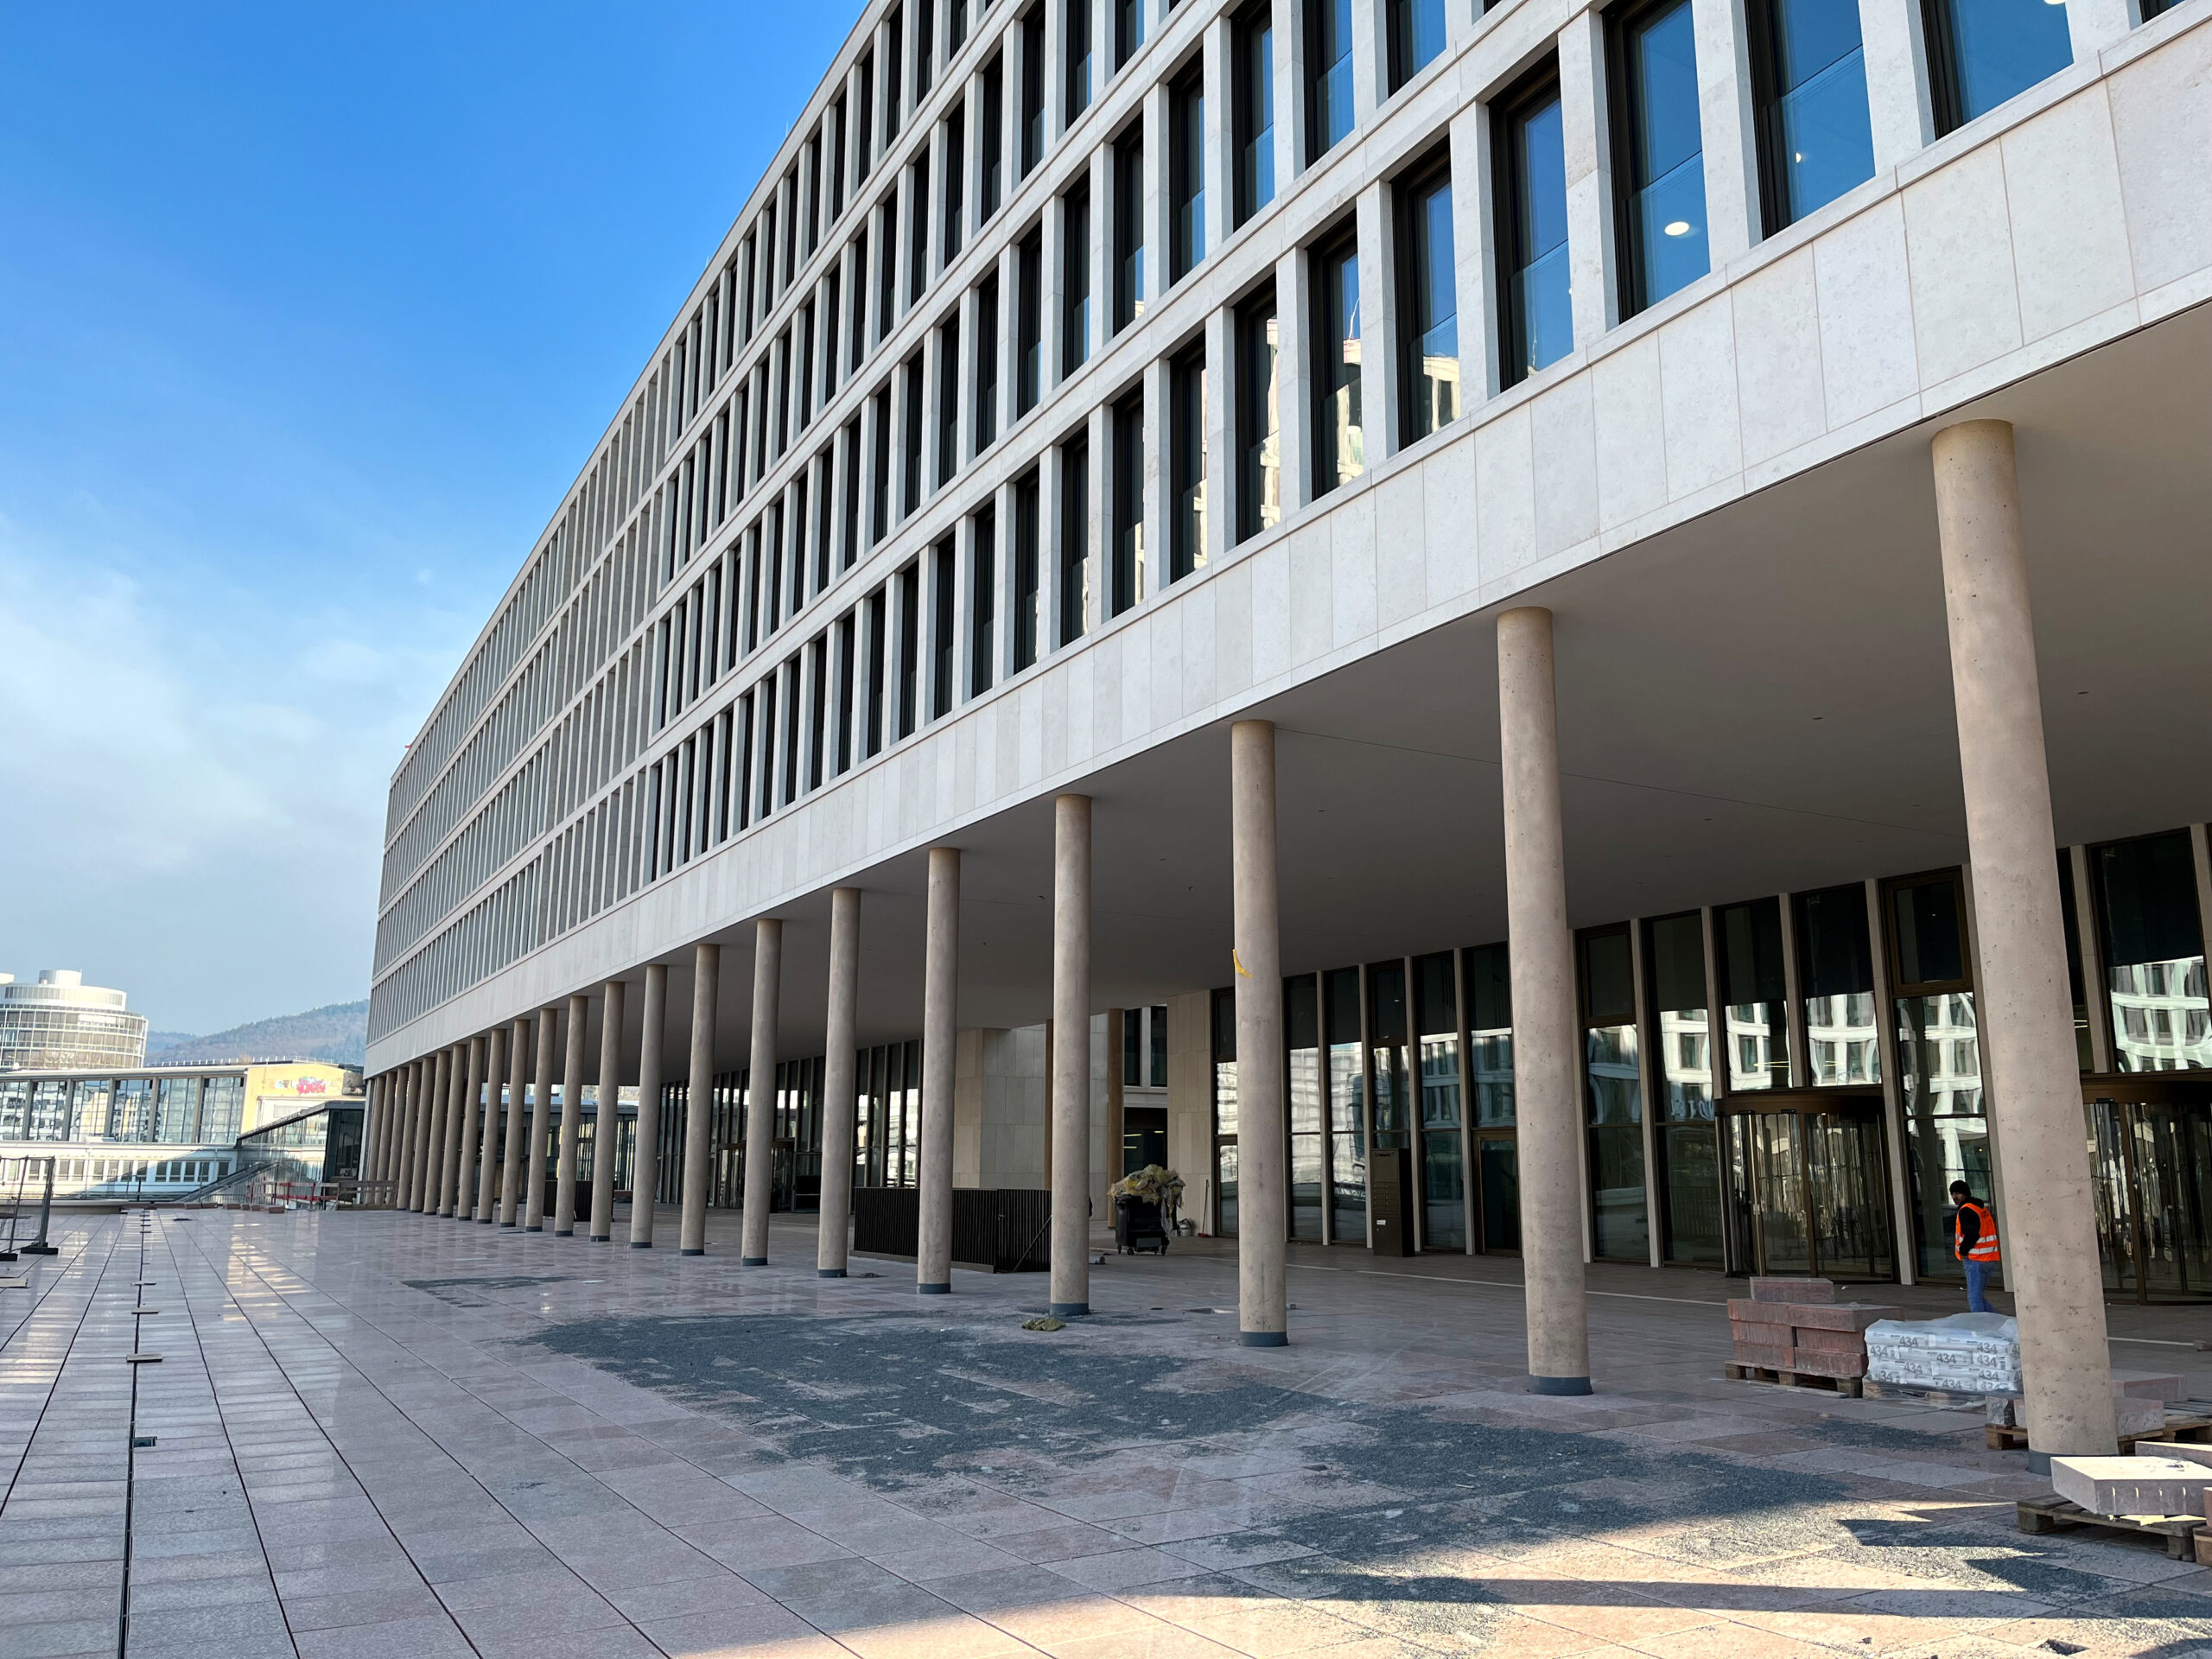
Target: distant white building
(61,1023)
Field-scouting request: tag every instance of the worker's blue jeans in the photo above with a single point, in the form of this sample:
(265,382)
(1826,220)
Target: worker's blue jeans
(1977,1283)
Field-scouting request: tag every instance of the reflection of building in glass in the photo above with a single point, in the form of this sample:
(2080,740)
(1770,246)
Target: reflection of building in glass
(1686,1051)
(60,1023)
(2161,1019)
(1844,1039)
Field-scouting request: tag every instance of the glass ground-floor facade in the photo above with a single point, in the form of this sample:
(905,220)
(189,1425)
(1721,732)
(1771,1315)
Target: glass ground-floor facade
(1784,1084)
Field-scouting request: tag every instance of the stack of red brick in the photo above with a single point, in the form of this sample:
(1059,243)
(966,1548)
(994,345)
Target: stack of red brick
(1797,1325)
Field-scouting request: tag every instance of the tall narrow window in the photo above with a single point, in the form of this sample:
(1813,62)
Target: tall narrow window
(856,321)
(982,600)
(1328,75)
(1075,279)
(987,364)
(1075,538)
(817,713)
(917,230)
(1129,504)
(925,47)
(894,72)
(1033,89)
(947,402)
(1259,419)
(1128,29)
(1659,164)
(945,605)
(990,144)
(849,554)
(1339,444)
(1535,321)
(1128,231)
(804,364)
(956,25)
(864,121)
(909,647)
(877,620)
(1622,1226)
(1981,53)
(1186,171)
(1252,100)
(1809,76)
(1026,595)
(1187,534)
(1416,36)
(886,271)
(879,518)
(1028,321)
(846,666)
(837,146)
(1074,44)
(916,428)
(955,175)
(833,297)
(1428,306)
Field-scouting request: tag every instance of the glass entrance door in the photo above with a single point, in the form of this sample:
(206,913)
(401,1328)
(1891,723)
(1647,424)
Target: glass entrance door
(2151,1168)
(1812,1190)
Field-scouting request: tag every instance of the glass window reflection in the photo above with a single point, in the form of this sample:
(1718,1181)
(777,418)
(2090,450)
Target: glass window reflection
(1662,163)
(2154,955)
(1982,53)
(1815,136)
(1536,318)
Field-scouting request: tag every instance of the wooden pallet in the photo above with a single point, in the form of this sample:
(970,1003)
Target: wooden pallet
(2182,1534)
(1942,1399)
(1851,1386)
(2003,1437)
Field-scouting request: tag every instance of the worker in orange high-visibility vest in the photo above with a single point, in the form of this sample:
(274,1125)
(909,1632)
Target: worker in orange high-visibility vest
(1974,1241)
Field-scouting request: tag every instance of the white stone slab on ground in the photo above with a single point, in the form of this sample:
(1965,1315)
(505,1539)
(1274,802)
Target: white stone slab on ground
(2135,1486)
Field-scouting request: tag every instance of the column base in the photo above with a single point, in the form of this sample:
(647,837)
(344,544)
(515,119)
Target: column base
(829,1273)
(641,1244)
(2039,1462)
(1264,1339)
(564,1232)
(1562,1385)
(1068,1310)
(533,1229)
(932,1290)
(700,1251)
(752,1262)
(506,1224)
(602,1238)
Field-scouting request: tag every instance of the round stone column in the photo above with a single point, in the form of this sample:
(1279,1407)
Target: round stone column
(510,1192)
(607,1124)
(2026,1013)
(1262,1208)
(572,1118)
(940,1008)
(699,1097)
(485,1127)
(460,1132)
(839,1092)
(644,1161)
(429,1152)
(1071,1077)
(760,1091)
(1546,1044)
(541,1108)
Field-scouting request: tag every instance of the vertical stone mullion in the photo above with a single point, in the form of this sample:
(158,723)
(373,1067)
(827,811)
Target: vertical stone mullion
(1594,280)
(1378,355)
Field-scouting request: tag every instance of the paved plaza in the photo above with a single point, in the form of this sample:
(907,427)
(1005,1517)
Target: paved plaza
(381,1435)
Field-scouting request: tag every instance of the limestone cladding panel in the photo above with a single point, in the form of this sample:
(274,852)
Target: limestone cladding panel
(2071,216)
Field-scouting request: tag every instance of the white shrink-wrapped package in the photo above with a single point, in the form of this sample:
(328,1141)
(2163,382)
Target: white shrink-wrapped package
(1966,1353)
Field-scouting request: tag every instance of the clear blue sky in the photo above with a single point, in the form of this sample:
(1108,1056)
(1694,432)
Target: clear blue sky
(308,314)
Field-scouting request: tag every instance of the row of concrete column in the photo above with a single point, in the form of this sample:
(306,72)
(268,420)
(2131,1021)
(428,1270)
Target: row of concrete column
(2025,1016)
